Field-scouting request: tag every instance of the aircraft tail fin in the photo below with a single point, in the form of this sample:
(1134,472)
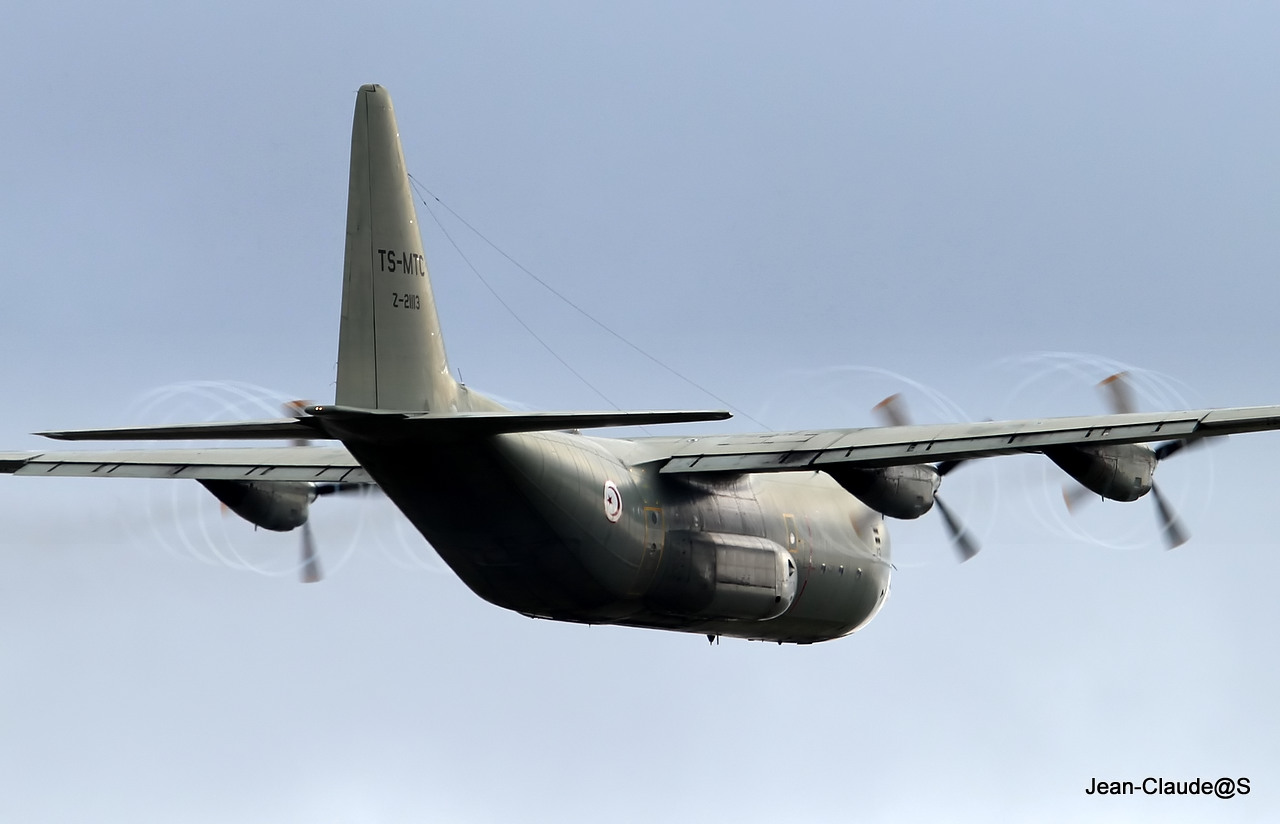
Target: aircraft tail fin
(390,349)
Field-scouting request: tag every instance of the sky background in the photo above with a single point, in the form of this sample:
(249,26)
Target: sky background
(800,209)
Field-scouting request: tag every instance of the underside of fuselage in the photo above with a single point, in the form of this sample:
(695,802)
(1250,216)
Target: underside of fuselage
(561,526)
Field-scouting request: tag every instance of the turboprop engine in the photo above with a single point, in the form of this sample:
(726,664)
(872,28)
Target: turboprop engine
(279,506)
(1121,473)
(904,492)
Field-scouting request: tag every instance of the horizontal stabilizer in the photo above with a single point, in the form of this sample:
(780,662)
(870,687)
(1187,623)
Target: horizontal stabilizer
(344,422)
(282,428)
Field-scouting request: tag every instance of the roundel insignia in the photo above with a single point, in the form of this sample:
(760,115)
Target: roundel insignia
(612,502)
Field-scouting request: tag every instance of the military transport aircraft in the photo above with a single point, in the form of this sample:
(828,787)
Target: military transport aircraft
(773,536)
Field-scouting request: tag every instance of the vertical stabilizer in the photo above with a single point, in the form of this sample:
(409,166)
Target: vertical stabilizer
(390,350)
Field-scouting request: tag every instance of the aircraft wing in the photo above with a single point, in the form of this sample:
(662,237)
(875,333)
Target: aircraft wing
(898,445)
(287,463)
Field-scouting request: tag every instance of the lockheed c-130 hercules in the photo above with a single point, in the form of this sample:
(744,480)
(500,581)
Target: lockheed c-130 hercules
(776,536)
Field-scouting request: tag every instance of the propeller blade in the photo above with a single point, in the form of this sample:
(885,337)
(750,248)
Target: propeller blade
(1170,526)
(1168,448)
(1118,392)
(310,568)
(960,537)
(891,411)
(946,466)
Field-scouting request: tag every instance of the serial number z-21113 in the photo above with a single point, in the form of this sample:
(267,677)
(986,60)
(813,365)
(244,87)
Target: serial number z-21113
(400,300)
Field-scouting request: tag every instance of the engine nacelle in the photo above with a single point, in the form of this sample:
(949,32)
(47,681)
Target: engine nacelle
(1120,472)
(904,492)
(277,505)
(718,575)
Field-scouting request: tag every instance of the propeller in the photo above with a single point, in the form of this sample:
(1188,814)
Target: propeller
(263,504)
(892,412)
(309,566)
(1119,394)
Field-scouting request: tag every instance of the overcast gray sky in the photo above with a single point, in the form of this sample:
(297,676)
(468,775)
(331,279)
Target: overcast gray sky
(774,201)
